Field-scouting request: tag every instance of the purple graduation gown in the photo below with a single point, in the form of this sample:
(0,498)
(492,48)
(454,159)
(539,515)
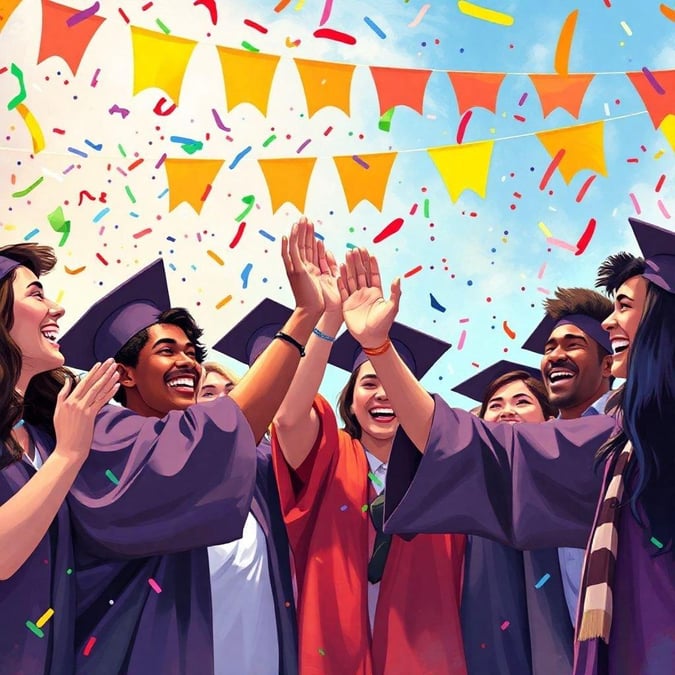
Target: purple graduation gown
(534,486)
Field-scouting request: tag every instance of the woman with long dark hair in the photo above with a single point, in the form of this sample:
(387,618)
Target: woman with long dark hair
(533,486)
(41,401)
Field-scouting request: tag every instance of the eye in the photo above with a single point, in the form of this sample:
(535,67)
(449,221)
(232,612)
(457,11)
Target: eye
(494,406)
(165,351)
(208,394)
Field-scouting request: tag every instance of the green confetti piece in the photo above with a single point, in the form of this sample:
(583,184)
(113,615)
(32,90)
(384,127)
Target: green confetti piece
(34,629)
(364,508)
(385,121)
(163,27)
(656,542)
(349,245)
(249,200)
(322,652)
(191,148)
(59,224)
(249,46)
(375,479)
(130,194)
(122,150)
(112,477)
(30,188)
(269,140)
(426,208)
(20,97)
(69,571)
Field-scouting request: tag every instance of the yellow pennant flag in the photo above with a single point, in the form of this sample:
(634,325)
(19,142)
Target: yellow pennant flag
(287,180)
(667,126)
(463,167)
(248,77)
(190,180)
(159,60)
(6,9)
(325,84)
(365,177)
(581,146)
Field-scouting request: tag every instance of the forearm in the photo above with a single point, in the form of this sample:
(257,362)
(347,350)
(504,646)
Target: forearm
(26,517)
(260,392)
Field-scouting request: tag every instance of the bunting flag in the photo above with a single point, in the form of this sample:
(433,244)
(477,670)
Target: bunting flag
(668,129)
(288,180)
(6,9)
(463,167)
(365,177)
(476,90)
(248,77)
(59,38)
(657,90)
(561,91)
(400,86)
(160,60)
(190,180)
(582,147)
(325,84)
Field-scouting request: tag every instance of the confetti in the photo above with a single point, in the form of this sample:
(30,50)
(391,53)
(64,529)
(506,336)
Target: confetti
(478,12)
(325,15)
(509,332)
(34,629)
(668,12)
(390,229)
(84,14)
(420,15)
(162,26)
(542,581)
(215,257)
(142,233)
(586,237)
(218,121)
(116,109)
(240,156)
(282,5)
(160,110)
(551,168)
(636,205)
(626,28)
(238,235)
(269,140)
(255,26)
(653,81)
(662,208)
(463,123)
(375,28)
(44,618)
(660,183)
(30,188)
(20,97)
(338,36)
(77,270)
(564,46)
(94,79)
(384,123)
(111,476)
(130,194)
(435,304)
(59,224)
(211,7)
(413,271)
(245,274)
(101,214)
(656,542)
(361,162)
(584,188)
(94,146)
(426,208)
(31,234)
(248,46)
(249,200)
(375,479)
(561,244)
(303,145)
(545,230)
(154,585)
(505,625)
(267,235)
(90,642)
(224,301)
(33,128)
(462,339)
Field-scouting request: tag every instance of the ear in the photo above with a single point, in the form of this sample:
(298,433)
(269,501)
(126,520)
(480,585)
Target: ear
(127,376)
(607,366)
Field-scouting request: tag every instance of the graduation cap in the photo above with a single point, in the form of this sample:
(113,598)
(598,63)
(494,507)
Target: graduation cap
(476,386)
(418,350)
(249,338)
(658,249)
(592,327)
(6,266)
(104,329)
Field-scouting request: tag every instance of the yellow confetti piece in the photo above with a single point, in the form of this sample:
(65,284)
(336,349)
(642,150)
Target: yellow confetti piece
(216,257)
(224,301)
(33,127)
(545,230)
(484,13)
(59,297)
(44,618)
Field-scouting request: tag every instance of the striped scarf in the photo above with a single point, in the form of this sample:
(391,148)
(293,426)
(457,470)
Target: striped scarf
(596,615)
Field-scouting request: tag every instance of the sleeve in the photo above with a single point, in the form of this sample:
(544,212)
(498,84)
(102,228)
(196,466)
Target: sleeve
(526,485)
(153,486)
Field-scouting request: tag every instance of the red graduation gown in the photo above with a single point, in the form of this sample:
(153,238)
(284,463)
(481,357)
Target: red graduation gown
(417,626)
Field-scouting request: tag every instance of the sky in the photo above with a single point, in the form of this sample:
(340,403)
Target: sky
(475,270)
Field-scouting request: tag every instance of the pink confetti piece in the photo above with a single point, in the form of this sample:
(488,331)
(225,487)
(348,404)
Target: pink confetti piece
(462,339)
(325,15)
(505,625)
(663,209)
(154,585)
(420,15)
(561,244)
(545,291)
(636,205)
(542,269)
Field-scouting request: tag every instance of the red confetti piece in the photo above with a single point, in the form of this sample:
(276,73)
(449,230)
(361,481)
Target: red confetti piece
(133,165)
(211,7)
(414,270)
(632,160)
(328,130)
(147,6)
(336,35)
(519,118)
(206,193)
(659,185)
(102,259)
(551,168)
(59,131)
(585,238)
(123,15)
(87,194)
(159,107)
(142,233)
(92,640)
(511,334)
(390,229)
(463,123)
(413,209)
(585,186)
(255,26)
(239,234)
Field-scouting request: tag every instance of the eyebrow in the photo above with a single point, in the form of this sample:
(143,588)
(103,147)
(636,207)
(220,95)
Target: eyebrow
(171,341)
(370,376)
(568,337)
(208,387)
(623,296)
(520,394)
(35,283)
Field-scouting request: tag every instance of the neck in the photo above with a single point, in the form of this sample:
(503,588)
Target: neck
(575,411)
(378,447)
(136,404)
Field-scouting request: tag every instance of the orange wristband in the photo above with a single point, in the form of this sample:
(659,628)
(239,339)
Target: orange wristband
(376,351)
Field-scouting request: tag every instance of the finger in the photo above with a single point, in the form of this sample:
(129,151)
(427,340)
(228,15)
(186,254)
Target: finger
(395,295)
(365,259)
(322,260)
(64,391)
(360,271)
(332,264)
(297,233)
(285,256)
(106,379)
(342,288)
(375,278)
(83,384)
(350,272)
(311,255)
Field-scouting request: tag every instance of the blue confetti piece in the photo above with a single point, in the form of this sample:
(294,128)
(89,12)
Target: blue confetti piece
(183,140)
(171,238)
(133,214)
(351,245)
(172,266)
(94,146)
(162,193)
(320,237)
(543,580)
(75,151)
(267,235)
(375,28)
(435,304)
(31,234)
(193,268)
(239,157)
(245,273)
(101,214)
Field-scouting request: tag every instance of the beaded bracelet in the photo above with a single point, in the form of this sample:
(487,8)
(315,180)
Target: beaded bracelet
(323,336)
(376,351)
(291,341)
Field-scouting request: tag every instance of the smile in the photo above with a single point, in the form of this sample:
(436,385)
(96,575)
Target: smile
(558,374)
(619,345)
(382,414)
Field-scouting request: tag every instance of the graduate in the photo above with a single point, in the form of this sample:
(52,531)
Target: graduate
(216,381)
(167,477)
(45,436)
(367,603)
(254,623)
(530,485)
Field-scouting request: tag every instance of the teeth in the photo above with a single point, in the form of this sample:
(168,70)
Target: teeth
(560,375)
(619,345)
(51,335)
(382,412)
(182,382)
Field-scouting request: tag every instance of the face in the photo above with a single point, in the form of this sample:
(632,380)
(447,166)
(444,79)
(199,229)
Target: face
(166,375)
(574,374)
(623,322)
(214,386)
(512,403)
(371,406)
(36,328)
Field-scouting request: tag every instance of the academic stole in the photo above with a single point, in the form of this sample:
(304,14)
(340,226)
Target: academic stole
(596,616)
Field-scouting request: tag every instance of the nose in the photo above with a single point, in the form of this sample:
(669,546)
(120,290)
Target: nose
(381,394)
(506,413)
(55,309)
(556,353)
(185,360)
(609,322)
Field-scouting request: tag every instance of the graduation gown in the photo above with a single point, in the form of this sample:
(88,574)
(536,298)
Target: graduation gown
(149,499)
(44,581)
(417,619)
(534,486)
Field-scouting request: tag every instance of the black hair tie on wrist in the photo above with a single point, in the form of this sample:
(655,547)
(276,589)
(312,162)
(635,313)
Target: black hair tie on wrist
(291,341)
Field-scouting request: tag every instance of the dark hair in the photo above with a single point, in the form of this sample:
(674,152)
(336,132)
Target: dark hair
(645,405)
(351,424)
(535,386)
(176,316)
(39,400)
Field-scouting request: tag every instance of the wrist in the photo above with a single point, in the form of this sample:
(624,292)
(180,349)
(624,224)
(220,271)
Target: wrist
(378,349)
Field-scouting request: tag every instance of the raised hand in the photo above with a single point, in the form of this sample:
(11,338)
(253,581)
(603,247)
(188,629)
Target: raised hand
(302,266)
(75,414)
(366,312)
(328,279)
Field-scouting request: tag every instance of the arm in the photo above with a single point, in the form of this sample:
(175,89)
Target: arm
(260,392)
(26,517)
(297,422)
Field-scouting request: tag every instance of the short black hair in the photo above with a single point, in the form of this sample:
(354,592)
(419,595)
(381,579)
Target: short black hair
(617,269)
(176,316)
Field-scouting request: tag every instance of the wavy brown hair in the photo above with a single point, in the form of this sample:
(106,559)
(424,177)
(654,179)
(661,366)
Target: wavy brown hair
(38,403)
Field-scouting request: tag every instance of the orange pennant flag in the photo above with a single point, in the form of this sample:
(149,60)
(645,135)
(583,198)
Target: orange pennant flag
(58,38)
(476,90)
(287,180)
(190,180)
(463,167)
(400,86)
(365,177)
(583,148)
(325,84)
(561,91)
(657,90)
(248,77)
(6,9)
(160,60)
